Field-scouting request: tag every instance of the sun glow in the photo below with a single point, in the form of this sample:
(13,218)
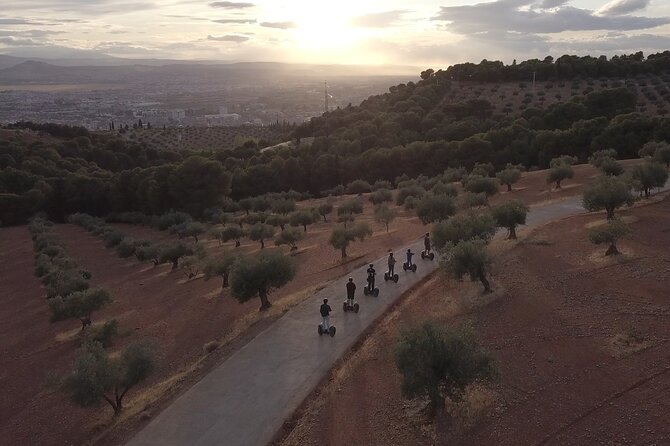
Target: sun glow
(320,28)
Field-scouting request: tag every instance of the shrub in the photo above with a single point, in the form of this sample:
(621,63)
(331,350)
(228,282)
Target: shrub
(597,158)
(381,196)
(170,219)
(472,200)
(283,206)
(409,191)
(65,282)
(103,334)
(113,238)
(149,252)
(558,173)
(382,184)
(611,167)
(441,188)
(437,363)
(358,187)
(171,252)
(483,169)
(221,267)
(350,207)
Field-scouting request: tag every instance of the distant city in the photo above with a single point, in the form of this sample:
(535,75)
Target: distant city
(166,96)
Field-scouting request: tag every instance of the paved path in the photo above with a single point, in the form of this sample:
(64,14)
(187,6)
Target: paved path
(247,398)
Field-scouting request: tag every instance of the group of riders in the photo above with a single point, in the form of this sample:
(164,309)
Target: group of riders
(372,273)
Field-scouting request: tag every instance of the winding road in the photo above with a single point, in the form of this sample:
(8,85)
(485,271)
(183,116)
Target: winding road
(246,399)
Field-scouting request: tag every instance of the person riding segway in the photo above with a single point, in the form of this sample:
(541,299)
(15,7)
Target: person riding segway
(408,265)
(391,275)
(324,326)
(427,253)
(370,288)
(349,304)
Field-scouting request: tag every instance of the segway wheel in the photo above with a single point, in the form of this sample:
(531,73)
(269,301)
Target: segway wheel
(404,267)
(386,277)
(431,256)
(413,268)
(396,278)
(366,291)
(344,307)
(423,255)
(320,330)
(376,292)
(331,331)
(356,308)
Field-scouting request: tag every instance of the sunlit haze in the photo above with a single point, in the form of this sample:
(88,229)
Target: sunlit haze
(345,32)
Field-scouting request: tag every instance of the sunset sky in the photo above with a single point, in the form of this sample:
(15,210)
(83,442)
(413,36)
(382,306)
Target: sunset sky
(418,33)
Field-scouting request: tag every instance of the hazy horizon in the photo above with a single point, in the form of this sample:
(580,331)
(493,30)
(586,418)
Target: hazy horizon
(418,34)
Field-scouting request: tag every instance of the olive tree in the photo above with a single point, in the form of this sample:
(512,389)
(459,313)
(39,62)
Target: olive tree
(433,208)
(647,176)
(220,267)
(79,305)
(439,363)
(381,196)
(478,184)
(463,227)
(608,193)
(468,257)
(190,266)
(325,209)
(662,154)
(261,232)
(228,233)
(99,376)
(598,157)
(283,206)
(278,221)
(341,237)
(509,215)
(611,167)
(384,215)
(150,252)
(302,218)
(350,207)
(559,173)
(172,251)
(260,274)
(509,176)
(290,237)
(188,229)
(609,233)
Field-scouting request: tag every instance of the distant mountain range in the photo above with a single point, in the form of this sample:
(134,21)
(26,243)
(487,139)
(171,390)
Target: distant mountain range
(19,70)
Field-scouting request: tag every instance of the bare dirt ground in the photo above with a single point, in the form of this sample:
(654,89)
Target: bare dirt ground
(580,341)
(154,302)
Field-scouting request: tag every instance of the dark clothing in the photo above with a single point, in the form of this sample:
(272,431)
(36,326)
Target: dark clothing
(391,265)
(325,310)
(351,290)
(426,243)
(410,254)
(371,278)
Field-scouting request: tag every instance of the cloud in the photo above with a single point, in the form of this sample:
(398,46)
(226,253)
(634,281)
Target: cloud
(519,16)
(30,33)
(279,25)
(229,21)
(621,7)
(4,21)
(88,7)
(228,38)
(548,4)
(13,41)
(231,5)
(615,43)
(378,19)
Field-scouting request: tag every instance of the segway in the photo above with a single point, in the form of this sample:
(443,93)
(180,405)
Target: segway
(330,331)
(412,268)
(346,307)
(388,277)
(430,256)
(374,292)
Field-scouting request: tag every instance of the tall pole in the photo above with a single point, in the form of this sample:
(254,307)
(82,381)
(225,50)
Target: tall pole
(325,84)
(533,82)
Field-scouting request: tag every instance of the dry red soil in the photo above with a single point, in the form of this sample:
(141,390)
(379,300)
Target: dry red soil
(580,341)
(155,302)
